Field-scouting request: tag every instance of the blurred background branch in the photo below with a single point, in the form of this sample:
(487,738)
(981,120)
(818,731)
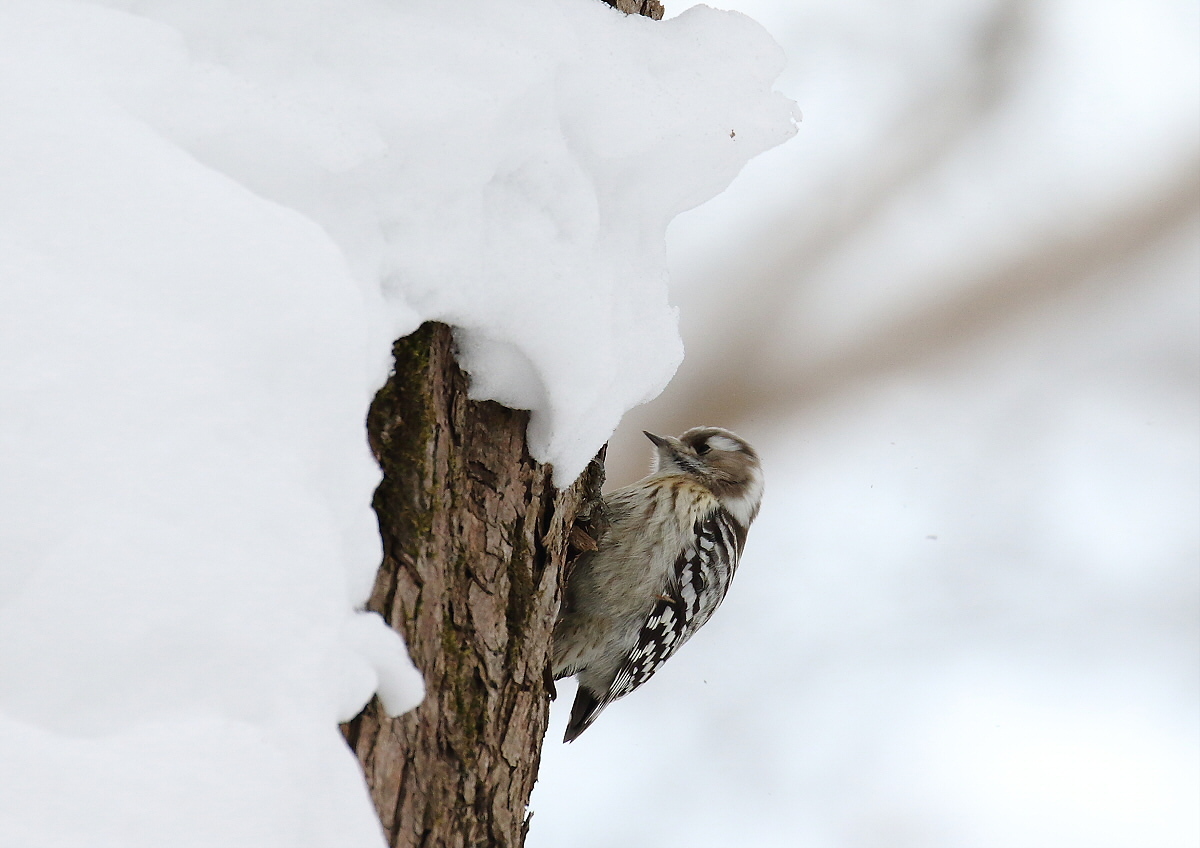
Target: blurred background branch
(743,380)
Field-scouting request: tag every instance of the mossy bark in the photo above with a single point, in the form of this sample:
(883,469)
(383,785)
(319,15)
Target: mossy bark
(476,540)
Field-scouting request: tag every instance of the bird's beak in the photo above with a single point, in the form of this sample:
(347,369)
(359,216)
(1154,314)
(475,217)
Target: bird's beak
(659,441)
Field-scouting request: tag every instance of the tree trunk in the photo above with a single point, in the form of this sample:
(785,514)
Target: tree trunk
(476,544)
(476,539)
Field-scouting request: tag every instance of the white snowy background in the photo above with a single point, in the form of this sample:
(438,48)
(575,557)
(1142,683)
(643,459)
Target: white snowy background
(957,314)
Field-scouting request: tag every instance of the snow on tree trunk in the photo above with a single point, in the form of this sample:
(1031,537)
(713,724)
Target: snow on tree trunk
(475,538)
(212,239)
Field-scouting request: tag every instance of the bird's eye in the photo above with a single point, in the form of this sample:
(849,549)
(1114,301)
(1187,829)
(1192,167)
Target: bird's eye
(702,448)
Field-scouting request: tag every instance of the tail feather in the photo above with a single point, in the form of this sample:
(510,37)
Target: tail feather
(583,712)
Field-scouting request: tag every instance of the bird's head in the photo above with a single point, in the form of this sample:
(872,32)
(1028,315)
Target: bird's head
(721,460)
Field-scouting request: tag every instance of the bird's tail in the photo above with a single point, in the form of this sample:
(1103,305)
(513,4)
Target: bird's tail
(583,712)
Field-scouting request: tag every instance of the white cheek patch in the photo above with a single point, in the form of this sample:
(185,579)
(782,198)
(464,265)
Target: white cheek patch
(723,443)
(745,507)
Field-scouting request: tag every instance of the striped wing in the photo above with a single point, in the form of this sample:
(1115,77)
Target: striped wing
(699,583)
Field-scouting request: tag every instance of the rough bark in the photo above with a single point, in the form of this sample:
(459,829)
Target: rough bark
(476,539)
(648,8)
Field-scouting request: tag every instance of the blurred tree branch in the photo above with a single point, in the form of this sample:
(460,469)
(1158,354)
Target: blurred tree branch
(1031,283)
(749,384)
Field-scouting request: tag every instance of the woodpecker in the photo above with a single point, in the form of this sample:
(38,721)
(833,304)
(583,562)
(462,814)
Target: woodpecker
(662,566)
